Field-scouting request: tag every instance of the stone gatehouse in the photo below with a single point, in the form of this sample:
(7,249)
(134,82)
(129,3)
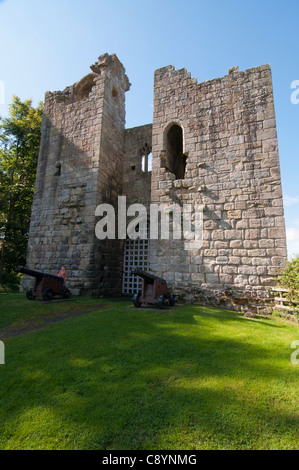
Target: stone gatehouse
(212,143)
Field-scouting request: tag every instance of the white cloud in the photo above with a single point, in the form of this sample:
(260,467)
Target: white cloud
(289,200)
(293,250)
(292,234)
(293,239)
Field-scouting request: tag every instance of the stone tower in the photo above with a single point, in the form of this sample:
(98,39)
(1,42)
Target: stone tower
(213,144)
(79,167)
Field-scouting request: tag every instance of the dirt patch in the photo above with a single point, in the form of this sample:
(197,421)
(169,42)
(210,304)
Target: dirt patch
(39,322)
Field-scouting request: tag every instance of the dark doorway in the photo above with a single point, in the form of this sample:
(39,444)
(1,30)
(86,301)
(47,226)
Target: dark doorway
(176,160)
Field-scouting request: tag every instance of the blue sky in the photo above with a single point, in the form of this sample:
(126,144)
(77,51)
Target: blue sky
(48,45)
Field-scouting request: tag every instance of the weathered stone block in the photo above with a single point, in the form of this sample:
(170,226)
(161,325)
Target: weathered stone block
(212,278)
(232,234)
(237,214)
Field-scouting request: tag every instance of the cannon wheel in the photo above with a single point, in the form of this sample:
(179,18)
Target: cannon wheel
(171,300)
(136,302)
(66,293)
(161,301)
(47,294)
(29,294)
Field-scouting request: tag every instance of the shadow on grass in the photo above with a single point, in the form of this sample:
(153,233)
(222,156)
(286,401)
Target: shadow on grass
(189,378)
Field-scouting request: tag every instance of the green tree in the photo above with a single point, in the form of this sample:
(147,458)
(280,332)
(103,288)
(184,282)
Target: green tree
(290,279)
(19,147)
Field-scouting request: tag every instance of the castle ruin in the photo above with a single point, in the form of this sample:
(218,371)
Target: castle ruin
(212,143)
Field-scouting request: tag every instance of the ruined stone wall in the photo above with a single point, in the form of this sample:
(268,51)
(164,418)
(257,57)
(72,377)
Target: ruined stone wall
(106,270)
(137,183)
(232,169)
(213,144)
(79,167)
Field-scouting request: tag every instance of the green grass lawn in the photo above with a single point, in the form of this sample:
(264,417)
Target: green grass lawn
(122,378)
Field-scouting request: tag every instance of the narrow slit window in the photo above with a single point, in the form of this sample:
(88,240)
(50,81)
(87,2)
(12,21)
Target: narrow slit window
(149,162)
(175,158)
(58,169)
(146,158)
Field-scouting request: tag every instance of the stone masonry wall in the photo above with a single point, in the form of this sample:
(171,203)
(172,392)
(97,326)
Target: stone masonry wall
(137,183)
(229,138)
(213,144)
(79,167)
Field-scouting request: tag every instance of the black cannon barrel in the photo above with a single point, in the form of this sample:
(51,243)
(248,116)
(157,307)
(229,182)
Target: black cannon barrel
(36,274)
(148,277)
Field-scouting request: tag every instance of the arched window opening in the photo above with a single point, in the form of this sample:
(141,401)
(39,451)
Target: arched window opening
(146,163)
(175,158)
(146,158)
(83,88)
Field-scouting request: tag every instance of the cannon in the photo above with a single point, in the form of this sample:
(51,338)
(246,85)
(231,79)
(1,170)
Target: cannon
(46,285)
(154,290)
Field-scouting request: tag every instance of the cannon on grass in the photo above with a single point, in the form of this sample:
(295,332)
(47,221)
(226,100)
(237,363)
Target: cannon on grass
(46,285)
(154,290)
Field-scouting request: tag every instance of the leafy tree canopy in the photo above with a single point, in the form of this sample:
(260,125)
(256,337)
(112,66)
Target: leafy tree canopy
(19,147)
(290,279)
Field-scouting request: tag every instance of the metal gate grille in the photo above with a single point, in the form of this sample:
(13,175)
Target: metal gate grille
(136,254)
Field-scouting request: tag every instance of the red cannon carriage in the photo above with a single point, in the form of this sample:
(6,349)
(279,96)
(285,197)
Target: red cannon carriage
(46,285)
(154,290)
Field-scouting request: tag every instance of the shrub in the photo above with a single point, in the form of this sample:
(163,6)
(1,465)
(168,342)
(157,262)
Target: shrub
(290,279)
(10,280)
